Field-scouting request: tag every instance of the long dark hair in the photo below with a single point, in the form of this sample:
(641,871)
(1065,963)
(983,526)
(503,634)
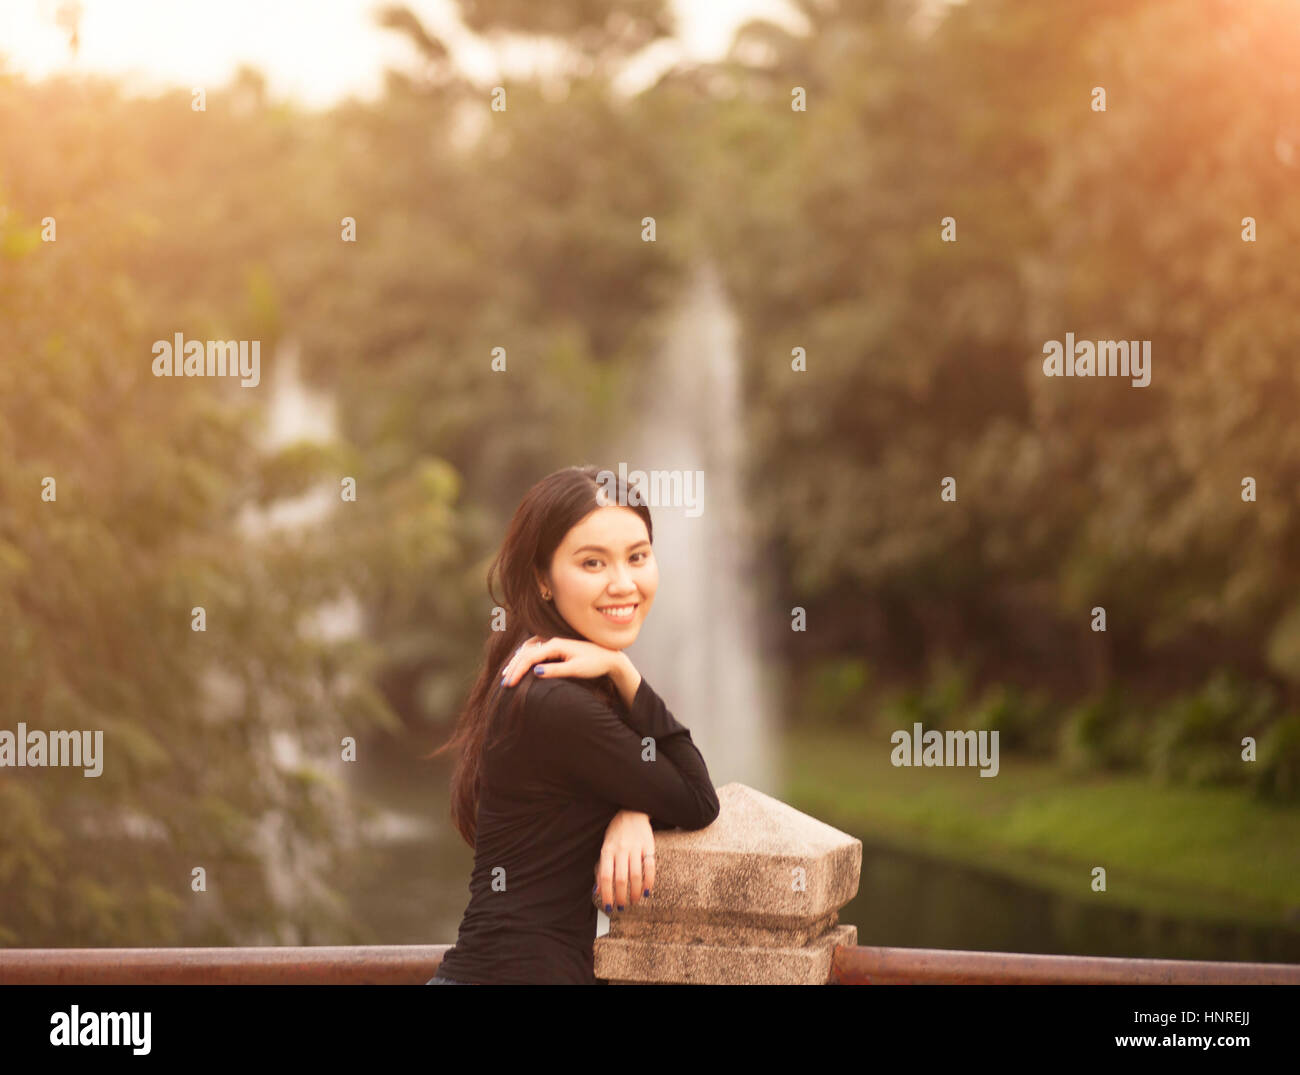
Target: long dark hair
(549,510)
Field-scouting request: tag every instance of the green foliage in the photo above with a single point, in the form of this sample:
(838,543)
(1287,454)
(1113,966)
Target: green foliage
(227,224)
(98,584)
(1277,767)
(924,357)
(1193,738)
(939,703)
(837,691)
(1284,646)
(1196,738)
(1103,731)
(524,234)
(1024,720)
(590,26)
(949,687)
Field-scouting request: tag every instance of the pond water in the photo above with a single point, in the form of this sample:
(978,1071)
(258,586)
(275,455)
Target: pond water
(910,901)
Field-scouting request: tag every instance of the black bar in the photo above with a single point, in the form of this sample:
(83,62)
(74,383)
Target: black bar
(826,1024)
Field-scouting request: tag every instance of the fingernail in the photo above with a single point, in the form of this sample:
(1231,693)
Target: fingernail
(645,892)
(539,670)
(594,888)
(608,908)
(620,906)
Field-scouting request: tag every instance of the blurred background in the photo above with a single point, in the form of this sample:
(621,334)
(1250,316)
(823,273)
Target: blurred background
(129,214)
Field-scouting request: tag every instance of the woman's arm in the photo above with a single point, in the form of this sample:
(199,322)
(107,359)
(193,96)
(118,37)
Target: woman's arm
(643,761)
(626,679)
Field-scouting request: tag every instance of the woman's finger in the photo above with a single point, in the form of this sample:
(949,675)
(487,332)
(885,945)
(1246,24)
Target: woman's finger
(524,657)
(505,668)
(620,879)
(648,869)
(529,654)
(605,879)
(634,881)
(533,657)
(555,668)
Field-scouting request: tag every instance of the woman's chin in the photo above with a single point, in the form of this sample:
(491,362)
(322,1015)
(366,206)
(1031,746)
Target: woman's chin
(617,640)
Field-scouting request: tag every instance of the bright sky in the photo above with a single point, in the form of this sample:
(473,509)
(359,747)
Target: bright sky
(317,51)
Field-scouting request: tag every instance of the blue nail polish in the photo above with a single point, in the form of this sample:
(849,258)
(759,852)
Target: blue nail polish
(620,906)
(608,908)
(539,670)
(645,892)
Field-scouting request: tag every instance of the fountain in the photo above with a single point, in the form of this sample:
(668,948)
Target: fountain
(699,646)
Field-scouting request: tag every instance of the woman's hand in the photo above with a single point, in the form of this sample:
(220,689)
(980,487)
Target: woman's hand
(626,871)
(585,660)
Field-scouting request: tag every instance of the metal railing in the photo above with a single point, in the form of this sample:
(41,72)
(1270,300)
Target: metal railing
(939,966)
(389,964)
(416,964)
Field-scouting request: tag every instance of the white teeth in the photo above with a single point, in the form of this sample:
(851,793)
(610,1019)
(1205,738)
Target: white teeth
(619,612)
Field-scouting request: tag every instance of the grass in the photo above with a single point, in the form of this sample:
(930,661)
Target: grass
(1194,852)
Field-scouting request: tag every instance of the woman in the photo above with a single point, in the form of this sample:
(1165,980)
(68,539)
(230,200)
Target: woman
(568,759)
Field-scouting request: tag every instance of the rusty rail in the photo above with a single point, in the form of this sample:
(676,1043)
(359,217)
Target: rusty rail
(939,966)
(390,964)
(407,964)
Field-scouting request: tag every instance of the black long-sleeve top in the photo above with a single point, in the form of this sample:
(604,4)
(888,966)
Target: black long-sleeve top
(546,796)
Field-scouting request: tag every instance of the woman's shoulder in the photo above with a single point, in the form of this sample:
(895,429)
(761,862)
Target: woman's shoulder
(563,696)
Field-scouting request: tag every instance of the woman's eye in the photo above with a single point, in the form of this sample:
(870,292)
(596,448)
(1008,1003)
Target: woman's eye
(593,560)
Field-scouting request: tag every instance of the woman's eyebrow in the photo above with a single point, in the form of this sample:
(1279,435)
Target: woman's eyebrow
(601,548)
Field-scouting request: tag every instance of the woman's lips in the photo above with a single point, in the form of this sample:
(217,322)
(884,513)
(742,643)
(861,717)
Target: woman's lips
(626,618)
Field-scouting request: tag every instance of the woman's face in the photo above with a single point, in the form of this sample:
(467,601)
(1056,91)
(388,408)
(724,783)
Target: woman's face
(605,562)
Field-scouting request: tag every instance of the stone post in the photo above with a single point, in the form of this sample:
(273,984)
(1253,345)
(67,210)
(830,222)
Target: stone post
(754,899)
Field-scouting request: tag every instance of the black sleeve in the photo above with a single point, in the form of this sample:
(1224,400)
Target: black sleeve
(597,748)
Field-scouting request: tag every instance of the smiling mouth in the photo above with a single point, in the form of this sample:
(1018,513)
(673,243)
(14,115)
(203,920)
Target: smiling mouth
(620,613)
